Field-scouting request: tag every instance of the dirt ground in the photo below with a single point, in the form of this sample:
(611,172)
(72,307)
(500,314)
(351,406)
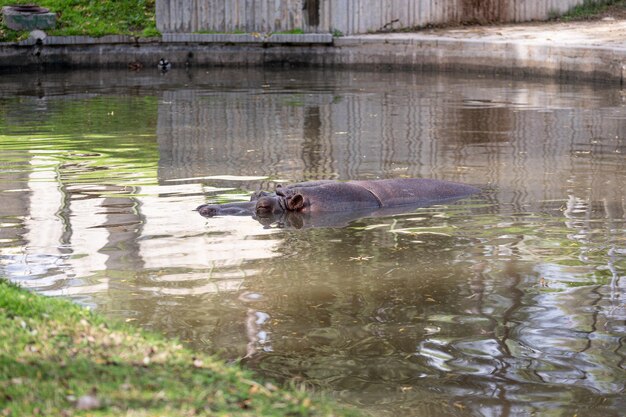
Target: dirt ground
(606,29)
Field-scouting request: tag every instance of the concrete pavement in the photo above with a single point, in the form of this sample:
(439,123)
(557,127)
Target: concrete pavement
(578,50)
(601,33)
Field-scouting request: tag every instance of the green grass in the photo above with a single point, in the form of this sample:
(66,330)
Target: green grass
(296,31)
(589,9)
(58,359)
(93,18)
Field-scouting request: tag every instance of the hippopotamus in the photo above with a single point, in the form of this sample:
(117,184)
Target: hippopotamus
(327,199)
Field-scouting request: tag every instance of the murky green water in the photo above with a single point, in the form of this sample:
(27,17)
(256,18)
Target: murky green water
(507,303)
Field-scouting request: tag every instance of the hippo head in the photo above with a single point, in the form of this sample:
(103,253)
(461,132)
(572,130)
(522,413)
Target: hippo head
(270,205)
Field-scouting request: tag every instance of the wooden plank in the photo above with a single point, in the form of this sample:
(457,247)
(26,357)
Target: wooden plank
(217,16)
(236,22)
(281,15)
(254,16)
(160,15)
(174,14)
(188,14)
(265,24)
(424,12)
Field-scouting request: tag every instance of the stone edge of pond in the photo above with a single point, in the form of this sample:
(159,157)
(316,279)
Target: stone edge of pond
(62,359)
(41,39)
(411,51)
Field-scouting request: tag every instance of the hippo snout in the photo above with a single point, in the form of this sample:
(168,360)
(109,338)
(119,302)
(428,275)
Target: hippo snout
(207,210)
(264,206)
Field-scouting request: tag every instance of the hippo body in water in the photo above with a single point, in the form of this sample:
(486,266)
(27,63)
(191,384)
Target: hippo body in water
(329,198)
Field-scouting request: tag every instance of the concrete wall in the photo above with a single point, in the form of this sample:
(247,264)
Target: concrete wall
(346,16)
(398,51)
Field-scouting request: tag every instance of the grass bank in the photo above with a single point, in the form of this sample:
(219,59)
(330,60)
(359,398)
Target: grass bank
(59,359)
(92,18)
(596,9)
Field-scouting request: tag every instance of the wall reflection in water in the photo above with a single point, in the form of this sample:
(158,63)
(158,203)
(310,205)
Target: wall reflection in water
(507,303)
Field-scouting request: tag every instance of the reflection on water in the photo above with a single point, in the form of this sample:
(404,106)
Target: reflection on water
(507,303)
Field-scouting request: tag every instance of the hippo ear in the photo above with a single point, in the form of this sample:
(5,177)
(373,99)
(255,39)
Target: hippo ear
(295,203)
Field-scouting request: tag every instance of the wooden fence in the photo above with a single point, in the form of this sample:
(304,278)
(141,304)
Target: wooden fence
(345,16)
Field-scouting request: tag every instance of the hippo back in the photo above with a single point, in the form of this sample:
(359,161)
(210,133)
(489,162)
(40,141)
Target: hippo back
(403,191)
(333,196)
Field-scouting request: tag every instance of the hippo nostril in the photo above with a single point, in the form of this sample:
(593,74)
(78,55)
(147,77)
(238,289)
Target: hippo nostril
(263,207)
(207,210)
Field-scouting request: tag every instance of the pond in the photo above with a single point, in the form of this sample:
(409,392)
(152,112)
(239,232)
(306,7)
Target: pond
(509,302)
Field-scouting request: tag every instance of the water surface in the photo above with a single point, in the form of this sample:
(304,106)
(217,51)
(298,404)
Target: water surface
(511,302)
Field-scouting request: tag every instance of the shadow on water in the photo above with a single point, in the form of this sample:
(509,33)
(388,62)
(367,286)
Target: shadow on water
(507,303)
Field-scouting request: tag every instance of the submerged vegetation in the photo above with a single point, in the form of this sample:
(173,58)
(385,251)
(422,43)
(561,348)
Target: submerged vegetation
(59,359)
(93,18)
